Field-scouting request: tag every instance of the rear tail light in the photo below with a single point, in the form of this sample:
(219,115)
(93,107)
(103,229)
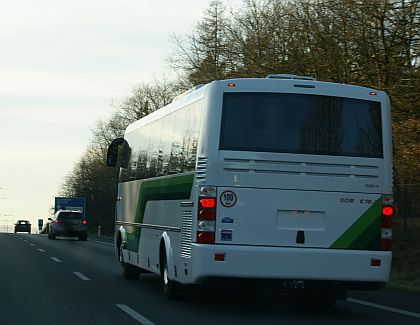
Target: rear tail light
(56,221)
(204,237)
(207,203)
(83,222)
(386,244)
(386,223)
(206,216)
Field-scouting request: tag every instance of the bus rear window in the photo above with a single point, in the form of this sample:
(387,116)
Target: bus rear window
(301,124)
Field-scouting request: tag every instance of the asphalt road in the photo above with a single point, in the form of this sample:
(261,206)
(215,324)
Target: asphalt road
(67,281)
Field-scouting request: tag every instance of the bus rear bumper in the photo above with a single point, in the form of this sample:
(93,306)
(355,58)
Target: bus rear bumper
(288,263)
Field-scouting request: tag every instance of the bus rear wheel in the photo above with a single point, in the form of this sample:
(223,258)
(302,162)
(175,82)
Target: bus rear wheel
(169,286)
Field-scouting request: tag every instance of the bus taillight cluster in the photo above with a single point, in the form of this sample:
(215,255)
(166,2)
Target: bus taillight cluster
(206,216)
(386,223)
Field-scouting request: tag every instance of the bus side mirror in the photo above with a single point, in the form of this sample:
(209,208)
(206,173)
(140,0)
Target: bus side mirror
(112,154)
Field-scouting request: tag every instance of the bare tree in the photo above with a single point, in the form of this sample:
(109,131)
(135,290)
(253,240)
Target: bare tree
(200,57)
(374,43)
(90,177)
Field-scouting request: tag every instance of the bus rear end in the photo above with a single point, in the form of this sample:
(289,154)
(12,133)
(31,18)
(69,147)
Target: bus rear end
(297,186)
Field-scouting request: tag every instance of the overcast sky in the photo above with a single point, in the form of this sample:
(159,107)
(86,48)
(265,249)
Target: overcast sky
(62,64)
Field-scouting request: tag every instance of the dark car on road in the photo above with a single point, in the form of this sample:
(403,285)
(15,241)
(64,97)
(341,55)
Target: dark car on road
(23,226)
(67,224)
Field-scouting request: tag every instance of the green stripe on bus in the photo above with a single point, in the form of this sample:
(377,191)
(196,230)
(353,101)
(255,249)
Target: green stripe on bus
(171,188)
(365,232)
(168,188)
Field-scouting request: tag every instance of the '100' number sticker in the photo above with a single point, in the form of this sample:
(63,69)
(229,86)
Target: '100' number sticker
(228,199)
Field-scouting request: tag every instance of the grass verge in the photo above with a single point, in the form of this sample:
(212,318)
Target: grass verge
(405,272)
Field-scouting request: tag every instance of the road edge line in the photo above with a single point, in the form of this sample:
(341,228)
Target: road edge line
(386,308)
(101,242)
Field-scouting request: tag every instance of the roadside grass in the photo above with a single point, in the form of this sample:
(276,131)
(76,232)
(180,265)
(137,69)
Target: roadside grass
(405,272)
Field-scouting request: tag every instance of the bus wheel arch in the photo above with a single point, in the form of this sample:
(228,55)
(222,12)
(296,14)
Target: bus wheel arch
(129,271)
(165,249)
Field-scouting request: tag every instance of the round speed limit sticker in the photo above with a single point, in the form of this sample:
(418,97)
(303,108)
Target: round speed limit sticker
(228,199)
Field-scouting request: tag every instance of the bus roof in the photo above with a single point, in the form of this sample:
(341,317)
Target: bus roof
(285,83)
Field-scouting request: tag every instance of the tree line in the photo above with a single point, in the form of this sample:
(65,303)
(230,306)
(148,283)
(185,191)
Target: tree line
(372,43)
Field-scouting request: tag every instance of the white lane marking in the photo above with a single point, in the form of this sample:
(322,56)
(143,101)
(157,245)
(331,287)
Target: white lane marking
(55,259)
(32,244)
(41,250)
(101,242)
(391,309)
(141,319)
(81,276)
(25,241)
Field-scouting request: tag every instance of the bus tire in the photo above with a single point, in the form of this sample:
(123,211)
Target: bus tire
(169,286)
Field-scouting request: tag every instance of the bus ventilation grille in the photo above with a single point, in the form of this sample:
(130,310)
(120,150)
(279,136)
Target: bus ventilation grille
(201,169)
(186,234)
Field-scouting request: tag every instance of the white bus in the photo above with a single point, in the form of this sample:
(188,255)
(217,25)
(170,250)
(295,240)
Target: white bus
(281,178)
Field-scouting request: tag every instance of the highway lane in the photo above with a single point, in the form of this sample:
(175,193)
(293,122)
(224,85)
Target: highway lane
(72,282)
(36,289)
